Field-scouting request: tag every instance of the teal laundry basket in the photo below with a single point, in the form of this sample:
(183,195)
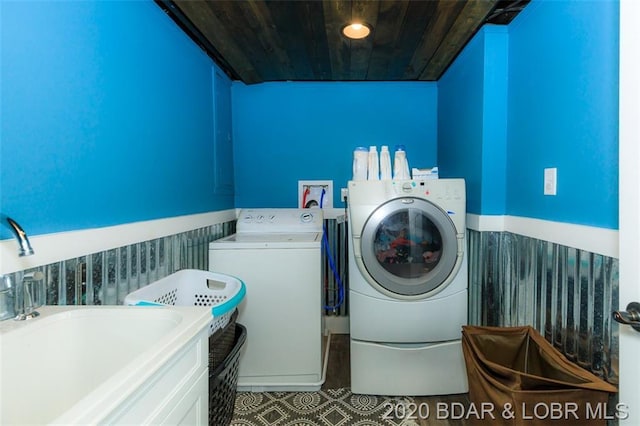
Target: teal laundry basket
(193,287)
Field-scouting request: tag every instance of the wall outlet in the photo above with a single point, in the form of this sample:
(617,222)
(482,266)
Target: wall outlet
(310,193)
(550,181)
(344,193)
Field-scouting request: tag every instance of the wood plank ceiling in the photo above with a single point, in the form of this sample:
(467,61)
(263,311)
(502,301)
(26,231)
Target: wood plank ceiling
(278,40)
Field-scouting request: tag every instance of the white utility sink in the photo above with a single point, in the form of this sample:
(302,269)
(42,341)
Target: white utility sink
(81,365)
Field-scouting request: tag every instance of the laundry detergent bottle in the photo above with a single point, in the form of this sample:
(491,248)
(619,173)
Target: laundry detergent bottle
(400,164)
(385,163)
(360,159)
(373,172)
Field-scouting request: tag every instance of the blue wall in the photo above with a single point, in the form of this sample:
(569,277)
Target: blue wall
(472,100)
(563,111)
(107,117)
(285,132)
(559,95)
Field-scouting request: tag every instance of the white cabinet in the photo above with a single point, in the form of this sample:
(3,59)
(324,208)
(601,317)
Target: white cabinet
(106,365)
(176,394)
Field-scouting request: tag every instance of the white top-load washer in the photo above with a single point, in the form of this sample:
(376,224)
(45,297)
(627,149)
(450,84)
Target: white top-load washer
(277,253)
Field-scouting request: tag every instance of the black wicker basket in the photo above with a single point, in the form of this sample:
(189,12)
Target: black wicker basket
(223,381)
(221,342)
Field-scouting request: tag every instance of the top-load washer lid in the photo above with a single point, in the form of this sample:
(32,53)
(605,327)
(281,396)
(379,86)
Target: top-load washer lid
(251,240)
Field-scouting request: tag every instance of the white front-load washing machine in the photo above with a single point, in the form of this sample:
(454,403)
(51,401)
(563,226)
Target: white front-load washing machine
(407,286)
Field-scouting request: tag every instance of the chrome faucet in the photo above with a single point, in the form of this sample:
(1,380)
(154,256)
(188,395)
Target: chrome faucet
(21,300)
(29,296)
(21,236)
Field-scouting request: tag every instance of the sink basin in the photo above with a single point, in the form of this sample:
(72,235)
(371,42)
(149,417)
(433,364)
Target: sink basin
(77,364)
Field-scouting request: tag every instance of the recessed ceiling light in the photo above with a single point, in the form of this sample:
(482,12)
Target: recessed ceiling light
(356,30)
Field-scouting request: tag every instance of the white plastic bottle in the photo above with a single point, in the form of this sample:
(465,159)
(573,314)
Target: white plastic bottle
(360,158)
(400,164)
(373,168)
(385,163)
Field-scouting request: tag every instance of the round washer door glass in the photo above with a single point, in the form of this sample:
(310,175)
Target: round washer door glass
(409,246)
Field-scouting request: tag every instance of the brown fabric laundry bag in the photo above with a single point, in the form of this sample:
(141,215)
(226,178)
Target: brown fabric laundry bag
(516,377)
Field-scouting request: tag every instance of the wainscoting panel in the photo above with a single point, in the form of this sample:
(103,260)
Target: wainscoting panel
(567,294)
(106,277)
(335,267)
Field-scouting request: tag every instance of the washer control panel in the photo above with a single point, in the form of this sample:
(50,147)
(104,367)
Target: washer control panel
(437,189)
(279,220)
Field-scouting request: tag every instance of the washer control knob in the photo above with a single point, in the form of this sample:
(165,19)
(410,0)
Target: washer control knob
(407,187)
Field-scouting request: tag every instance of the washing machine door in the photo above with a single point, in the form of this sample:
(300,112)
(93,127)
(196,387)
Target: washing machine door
(409,247)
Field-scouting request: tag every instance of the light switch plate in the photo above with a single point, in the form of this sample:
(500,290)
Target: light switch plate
(550,181)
